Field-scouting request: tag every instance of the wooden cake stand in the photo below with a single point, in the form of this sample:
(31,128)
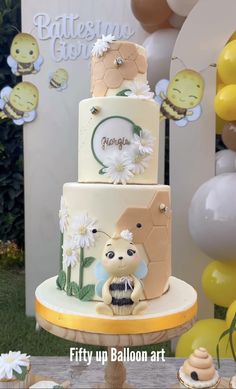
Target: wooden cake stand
(166,317)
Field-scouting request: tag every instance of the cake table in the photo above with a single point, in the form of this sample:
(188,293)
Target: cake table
(166,317)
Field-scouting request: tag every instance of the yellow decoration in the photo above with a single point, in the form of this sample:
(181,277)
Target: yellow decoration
(233,37)
(226,65)
(205,333)
(225,102)
(219,282)
(230,316)
(107,325)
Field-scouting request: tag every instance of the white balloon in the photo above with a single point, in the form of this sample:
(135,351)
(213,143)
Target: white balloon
(225,162)
(181,7)
(177,21)
(212,217)
(159,46)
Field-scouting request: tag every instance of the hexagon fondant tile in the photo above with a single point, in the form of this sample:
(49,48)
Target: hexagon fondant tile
(113,78)
(155,281)
(115,45)
(157,244)
(131,219)
(98,71)
(100,88)
(159,218)
(141,63)
(128,51)
(128,70)
(109,59)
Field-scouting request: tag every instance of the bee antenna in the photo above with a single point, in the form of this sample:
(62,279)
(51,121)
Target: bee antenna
(212,65)
(15,28)
(180,60)
(95,231)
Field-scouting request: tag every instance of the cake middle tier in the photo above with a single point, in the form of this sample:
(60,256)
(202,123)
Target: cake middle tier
(118,140)
(94,212)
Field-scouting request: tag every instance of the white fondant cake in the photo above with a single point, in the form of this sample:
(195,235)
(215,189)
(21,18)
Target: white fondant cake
(117,196)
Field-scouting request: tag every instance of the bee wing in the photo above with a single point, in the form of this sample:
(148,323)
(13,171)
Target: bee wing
(161,87)
(12,63)
(38,63)
(196,113)
(5,93)
(19,122)
(142,270)
(101,275)
(182,122)
(2,103)
(29,116)
(98,288)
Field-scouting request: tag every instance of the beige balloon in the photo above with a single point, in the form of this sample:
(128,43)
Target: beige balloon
(154,27)
(151,12)
(229,135)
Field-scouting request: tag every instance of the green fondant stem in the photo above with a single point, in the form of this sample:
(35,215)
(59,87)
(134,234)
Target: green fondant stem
(68,279)
(61,251)
(81,268)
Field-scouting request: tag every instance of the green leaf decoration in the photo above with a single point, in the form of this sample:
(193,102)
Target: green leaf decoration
(61,280)
(122,92)
(69,290)
(101,171)
(21,376)
(228,332)
(137,130)
(87,292)
(88,261)
(58,387)
(74,288)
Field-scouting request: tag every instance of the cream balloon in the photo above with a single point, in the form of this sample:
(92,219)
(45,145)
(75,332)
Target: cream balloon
(225,162)
(176,21)
(212,217)
(159,47)
(182,7)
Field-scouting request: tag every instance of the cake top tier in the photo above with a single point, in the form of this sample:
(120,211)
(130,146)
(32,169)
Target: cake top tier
(115,64)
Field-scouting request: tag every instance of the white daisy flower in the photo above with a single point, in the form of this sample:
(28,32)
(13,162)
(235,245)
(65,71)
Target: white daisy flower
(118,167)
(127,235)
(140,161)
(63,215)
(102,45)
(144,141)
(12,362)
(82,227)
(141,91)
(70,252)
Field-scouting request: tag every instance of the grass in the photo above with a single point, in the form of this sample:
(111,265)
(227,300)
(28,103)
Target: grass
(18,331)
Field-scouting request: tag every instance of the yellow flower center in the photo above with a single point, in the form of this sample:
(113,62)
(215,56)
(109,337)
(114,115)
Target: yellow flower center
(82,230)
(9,360)
(137,158)
(120,168)
(143,142)
(69,252)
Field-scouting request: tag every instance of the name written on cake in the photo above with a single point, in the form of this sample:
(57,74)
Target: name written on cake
(120,142)
(71,38)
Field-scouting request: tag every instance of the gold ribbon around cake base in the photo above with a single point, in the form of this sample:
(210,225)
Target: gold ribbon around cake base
(190,387)
(110,326)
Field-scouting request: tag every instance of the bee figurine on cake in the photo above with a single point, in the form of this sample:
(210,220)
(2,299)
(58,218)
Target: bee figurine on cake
(119,271)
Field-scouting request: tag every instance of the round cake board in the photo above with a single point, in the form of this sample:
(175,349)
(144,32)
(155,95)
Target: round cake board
(166,317)
(224,383)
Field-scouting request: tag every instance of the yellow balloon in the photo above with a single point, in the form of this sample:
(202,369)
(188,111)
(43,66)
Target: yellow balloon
(225,106)
(205,333)
(226,65)
(219,125)
(233,37)
(230,316)
(219,282)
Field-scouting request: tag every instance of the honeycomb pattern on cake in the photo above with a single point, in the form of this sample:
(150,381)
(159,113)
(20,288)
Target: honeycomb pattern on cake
(107,75)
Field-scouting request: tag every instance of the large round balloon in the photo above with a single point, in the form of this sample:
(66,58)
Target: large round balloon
(225,162)
(229,135)
(225,103)
(151,12)
(205,333)
(219,282)
(226,65)
(181,7)
(212,217)
(159,46)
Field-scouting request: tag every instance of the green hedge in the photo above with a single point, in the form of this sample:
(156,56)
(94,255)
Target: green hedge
(11,137)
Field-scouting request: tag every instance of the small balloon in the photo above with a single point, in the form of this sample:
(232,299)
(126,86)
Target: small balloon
(229,135)
(226,64)
(225,103)
(212,217)
(159,47)
(151,12)
(219,282)
(182,7)
(205,333)
(225,162)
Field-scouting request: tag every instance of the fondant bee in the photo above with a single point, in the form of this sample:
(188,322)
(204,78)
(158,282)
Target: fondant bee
(120,271)
(24,58)
(59,79)
(180,97)
(19,103)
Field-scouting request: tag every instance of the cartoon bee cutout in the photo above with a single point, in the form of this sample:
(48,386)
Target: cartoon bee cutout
(180,97)
(59,79)
(24,56)
(119,273)
(19,103)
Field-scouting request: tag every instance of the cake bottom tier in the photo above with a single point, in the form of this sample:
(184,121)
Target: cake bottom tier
(94,212)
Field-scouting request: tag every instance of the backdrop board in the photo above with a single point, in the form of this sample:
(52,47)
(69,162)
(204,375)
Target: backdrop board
(192,148)
(65,31)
